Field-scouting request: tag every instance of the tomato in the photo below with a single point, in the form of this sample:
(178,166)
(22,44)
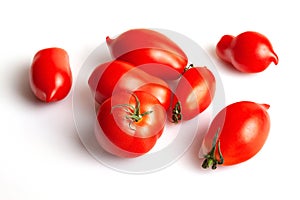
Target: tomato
(152,51)
(162,93)
(115,76)
(249,52)
(129,124)
(193,94)
(236,134)
(50,74)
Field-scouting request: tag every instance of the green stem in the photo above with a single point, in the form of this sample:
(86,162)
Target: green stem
(210,158)
(133,111)
(176,113)
(188,67)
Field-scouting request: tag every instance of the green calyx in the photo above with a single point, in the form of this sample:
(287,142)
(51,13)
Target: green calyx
(188,67)
(133,112)
(176,113)
(210,158)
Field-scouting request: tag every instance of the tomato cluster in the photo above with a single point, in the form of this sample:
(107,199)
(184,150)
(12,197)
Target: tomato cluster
(134,99)
(134,91)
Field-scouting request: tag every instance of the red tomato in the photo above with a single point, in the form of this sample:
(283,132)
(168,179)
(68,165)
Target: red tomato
(248,52)
(128,125)
(116,76)
(236,134)
(50,74)
(152,51)
(162,93)
(194,93)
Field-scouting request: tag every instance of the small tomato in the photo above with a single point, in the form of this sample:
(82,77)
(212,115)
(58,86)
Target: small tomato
(50,74)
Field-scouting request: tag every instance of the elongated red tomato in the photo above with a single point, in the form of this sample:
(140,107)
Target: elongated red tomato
(115,76)
(50,74)
(128,125)
(249,52)
(194,93)
(152,51)
(236,134)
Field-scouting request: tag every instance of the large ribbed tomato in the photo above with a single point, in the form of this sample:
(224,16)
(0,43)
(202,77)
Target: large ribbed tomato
(129,124)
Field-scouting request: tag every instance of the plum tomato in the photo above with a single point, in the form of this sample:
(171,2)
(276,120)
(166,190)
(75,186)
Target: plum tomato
(50,75)
(249,52)
(193,94)
(236,134)
(151,50)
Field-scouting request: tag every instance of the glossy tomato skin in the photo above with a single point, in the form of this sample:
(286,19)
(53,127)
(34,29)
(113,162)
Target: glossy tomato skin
(240,130)
(123,136)
(249,52)
(50,74)
(144,46)
(115,76)
(195,92)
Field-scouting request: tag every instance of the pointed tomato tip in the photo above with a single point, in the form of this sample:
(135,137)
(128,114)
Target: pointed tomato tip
(51,97)
(275,58)
(48,99)
(265,106)
(108,40)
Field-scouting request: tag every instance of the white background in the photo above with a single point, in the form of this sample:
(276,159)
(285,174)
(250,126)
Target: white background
(41,156)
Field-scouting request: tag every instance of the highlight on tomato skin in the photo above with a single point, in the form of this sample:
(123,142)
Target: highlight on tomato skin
(236,134)
(248,52)
(50,75)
